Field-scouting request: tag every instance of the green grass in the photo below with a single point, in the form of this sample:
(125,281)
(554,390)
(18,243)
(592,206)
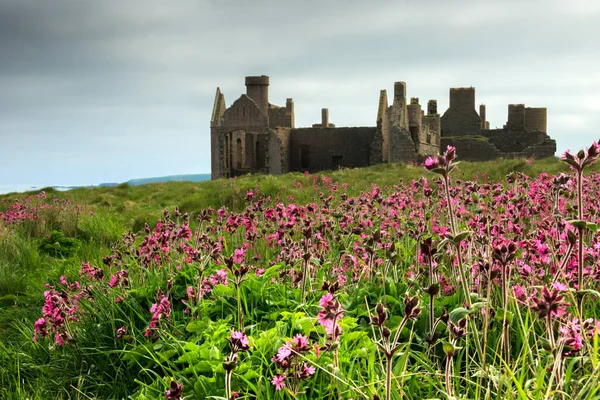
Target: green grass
(34,372)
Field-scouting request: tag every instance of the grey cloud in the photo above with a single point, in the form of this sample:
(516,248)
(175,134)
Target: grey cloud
(107,83)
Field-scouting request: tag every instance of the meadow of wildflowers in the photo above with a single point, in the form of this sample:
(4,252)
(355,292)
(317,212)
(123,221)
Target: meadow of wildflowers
(436,287)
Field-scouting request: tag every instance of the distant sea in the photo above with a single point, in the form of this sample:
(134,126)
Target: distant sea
(27,187)
(133,182)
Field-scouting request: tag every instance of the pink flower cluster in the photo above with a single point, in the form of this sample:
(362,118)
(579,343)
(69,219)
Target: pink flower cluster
(288,361)
(330,314)
(93,273)
(120,278)
(207,285)
(32,208)
(60,308)
(161,311)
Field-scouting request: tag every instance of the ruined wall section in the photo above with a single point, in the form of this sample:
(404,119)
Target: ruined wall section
(244,113)
(290,117)
(433,123)
(402,147)
(243,141)
(514,141)
(277,116)
(544,149)
(376,156)
(516,118)
(318,149)
(500,143)
(472,148)
(398,111)
(380,148)
(461,119)
(278,161)
(217,166)
(415,120)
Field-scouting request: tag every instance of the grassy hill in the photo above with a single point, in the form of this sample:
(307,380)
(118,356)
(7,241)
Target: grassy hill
(82,224)
(129,203)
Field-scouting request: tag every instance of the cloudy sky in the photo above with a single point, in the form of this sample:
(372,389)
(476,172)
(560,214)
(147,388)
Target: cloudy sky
(96,91)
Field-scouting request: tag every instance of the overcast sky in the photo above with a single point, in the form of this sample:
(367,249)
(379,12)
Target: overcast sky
(100,91)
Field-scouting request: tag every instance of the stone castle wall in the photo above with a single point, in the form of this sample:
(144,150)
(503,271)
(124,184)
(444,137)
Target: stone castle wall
(513,141)
(402,148)
(461,117)
(253,135)
(498,143)
(316,149)
(277,116)
(472,148)
(279,150)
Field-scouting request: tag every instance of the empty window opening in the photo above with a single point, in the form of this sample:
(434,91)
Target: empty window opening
(305,157)
(238,152)
(336,162)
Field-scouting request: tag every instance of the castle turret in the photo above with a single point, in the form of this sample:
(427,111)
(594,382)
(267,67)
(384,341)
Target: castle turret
(462,98)
(415,115)
(325,117)
(415,119)
(400,92)
(535,119)
(461,118)
(516,117)
(257,88)
(383,124)
(482,116)
(432,107)
(289,114)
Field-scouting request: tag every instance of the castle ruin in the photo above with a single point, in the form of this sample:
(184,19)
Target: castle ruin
(255,136)
(523,135)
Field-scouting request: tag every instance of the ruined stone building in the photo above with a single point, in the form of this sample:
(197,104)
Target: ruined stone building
(523,135)
(255,136)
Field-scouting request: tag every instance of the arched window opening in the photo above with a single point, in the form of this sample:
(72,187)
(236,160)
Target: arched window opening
(238,152)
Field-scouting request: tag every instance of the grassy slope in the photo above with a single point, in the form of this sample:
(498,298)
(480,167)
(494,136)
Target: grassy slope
(132,204)
(24,270)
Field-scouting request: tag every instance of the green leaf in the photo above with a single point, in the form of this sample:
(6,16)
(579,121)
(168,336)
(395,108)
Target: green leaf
(500,315)
(459,313)
(196,326)
(577,223)
(588,291)
(572,163)
(253,374)
(478,306)
(461,236)
(222,290)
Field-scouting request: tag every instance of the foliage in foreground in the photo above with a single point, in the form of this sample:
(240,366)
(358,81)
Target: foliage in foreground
(437,288)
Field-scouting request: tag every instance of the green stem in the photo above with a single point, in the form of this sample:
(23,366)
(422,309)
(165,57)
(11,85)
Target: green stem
(580,239)
(239,307)
(228,385)
(447,376)
(388,377)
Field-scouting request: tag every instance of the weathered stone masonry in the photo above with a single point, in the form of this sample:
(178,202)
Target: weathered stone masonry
(524,134)
(255,136)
